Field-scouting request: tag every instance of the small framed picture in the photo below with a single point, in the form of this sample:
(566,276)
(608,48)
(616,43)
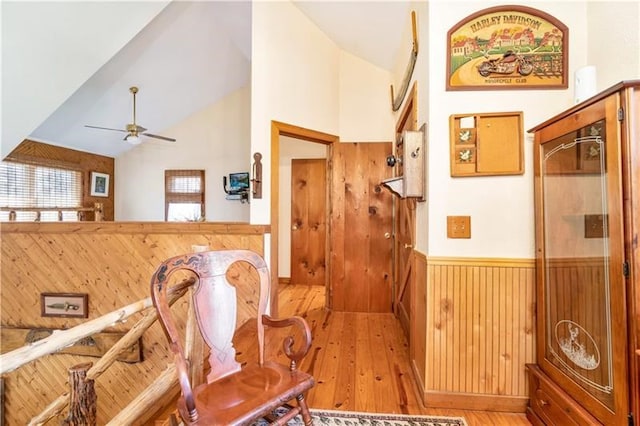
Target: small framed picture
(64,305)
(99,184)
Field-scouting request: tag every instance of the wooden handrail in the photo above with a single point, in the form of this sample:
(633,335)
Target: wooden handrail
(97,209)
(51,410)
(109,358)
(62,338)
(147,399)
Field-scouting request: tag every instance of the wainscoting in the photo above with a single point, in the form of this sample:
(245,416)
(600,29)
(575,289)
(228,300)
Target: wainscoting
(112,263)
(479,332)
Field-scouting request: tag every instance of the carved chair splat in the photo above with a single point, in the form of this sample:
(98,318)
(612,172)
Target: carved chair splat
(233,394)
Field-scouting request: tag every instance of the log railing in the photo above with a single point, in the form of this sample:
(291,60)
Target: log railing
(83,375)
(81,212)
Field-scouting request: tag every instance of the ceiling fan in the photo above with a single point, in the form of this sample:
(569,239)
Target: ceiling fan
(134,131)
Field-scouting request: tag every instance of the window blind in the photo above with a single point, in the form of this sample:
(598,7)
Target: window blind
(29,185)
(184,195)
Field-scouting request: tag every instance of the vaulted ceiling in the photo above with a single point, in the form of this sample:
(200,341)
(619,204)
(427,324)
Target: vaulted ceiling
(186,56)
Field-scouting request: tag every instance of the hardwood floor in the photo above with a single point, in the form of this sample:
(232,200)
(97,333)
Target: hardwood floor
(361,361)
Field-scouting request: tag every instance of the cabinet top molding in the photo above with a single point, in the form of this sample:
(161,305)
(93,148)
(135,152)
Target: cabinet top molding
(615,88)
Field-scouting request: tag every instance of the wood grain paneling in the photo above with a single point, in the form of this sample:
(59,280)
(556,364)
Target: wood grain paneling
(308,221)
(361,214)
(44,154)
(113,264)
(479,332)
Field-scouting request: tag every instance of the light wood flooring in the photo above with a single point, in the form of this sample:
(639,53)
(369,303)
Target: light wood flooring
(361,362)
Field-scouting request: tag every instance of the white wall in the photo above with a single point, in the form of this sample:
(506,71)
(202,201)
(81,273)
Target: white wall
(501,208)
(295,80)
(215,140)
(290,149)
(613,41)
(365,101)
(301,78)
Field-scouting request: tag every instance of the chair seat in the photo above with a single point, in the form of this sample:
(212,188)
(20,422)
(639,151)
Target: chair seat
(248,394)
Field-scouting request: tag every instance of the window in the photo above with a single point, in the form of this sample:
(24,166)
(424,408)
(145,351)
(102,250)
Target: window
(184,195)
(24,186)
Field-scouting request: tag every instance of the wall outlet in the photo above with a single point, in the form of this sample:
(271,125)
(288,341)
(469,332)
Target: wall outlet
(458,226)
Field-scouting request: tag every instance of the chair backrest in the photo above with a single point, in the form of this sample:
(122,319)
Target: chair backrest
(215,306)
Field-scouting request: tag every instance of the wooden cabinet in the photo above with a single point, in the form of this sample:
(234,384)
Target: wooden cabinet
(587,201)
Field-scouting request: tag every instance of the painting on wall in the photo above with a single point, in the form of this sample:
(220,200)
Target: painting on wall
(64,305)
(99,184)
(507,47)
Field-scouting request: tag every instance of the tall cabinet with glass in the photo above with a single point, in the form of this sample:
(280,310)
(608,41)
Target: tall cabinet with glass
(587,201)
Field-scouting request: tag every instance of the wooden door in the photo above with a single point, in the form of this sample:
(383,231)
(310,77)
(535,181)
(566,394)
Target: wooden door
(361,229)
(308,221)
(405,235)
(405,217)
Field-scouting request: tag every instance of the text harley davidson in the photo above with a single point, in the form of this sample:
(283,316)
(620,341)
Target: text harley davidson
(506,19)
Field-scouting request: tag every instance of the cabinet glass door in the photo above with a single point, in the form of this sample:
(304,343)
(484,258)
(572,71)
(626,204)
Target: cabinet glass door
(577,256)
(585,334)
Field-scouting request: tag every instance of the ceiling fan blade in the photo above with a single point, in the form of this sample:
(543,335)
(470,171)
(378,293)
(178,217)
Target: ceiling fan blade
(132,128)
(105,128)
(159,137)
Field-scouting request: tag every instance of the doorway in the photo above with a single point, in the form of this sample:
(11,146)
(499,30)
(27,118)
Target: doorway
(298,135)
(359,216)
(303,213)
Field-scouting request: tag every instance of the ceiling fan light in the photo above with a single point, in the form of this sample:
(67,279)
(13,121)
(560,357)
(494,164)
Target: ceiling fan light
(133,139)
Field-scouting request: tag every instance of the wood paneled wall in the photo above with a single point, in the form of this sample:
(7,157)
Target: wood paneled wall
(361,225)
(113,264)
(44,154)
(480,329)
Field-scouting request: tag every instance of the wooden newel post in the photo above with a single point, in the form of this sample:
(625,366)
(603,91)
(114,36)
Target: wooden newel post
(82,397)
(99,212)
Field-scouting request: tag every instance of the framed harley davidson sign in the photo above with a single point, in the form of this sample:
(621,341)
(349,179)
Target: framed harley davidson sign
(507,47)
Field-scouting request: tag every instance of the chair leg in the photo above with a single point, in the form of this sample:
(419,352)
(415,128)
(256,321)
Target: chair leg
(306,416)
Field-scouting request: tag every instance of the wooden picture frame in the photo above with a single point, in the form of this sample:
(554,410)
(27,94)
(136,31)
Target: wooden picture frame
(99,184)
(486,144)
(507,47)
(64,305)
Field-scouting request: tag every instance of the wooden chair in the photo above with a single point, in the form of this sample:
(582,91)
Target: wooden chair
(232,395)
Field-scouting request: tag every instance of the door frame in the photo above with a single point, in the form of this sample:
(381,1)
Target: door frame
(284,129)
(407,120)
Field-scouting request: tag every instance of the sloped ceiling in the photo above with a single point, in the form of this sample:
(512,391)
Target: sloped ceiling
(188,57)
(371,30)
(50,48)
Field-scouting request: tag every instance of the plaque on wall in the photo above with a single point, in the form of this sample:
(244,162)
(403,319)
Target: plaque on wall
(507,47)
